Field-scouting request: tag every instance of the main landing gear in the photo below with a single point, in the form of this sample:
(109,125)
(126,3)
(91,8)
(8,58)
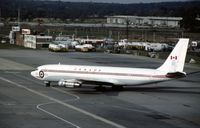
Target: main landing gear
(47,83)
(100,88)
(114,88)
(117,88)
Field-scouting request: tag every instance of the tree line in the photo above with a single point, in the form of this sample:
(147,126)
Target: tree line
(31,9)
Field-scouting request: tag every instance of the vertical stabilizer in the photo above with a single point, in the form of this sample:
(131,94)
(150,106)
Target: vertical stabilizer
(176,60)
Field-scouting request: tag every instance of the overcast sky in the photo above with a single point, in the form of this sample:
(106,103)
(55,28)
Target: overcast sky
(124,1)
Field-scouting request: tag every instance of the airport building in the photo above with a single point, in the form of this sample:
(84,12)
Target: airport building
(37,41)
(139,21)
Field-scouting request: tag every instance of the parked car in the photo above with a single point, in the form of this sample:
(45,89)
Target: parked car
(58,47)
(85,48)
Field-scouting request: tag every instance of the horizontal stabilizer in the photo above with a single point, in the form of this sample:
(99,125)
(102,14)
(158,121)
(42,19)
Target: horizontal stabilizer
(176,75)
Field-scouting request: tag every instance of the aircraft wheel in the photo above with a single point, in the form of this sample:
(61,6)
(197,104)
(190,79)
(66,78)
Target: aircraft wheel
(47,84)
(100,88)
(117,88)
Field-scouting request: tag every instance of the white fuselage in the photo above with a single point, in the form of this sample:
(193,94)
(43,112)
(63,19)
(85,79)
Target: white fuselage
(112,75)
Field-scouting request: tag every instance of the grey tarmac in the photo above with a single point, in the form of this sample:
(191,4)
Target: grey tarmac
(26,102)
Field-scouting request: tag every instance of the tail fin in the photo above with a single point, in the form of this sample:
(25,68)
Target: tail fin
(176,60)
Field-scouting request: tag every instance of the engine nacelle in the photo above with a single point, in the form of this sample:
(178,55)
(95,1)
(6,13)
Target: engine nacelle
(69,84)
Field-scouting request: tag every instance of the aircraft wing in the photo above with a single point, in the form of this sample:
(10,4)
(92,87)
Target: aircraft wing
(100,82)
(78,82)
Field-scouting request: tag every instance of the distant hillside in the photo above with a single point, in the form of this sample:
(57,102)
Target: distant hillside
(31,9)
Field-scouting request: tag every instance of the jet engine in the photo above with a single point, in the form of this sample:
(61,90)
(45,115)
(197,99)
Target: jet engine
(69,84)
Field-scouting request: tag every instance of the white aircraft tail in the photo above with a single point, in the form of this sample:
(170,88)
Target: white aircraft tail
(176,60)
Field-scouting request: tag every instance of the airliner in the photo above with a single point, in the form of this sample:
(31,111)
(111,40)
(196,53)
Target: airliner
(76,75)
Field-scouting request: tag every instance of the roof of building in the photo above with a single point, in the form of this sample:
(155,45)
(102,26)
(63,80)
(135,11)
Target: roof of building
(149,17)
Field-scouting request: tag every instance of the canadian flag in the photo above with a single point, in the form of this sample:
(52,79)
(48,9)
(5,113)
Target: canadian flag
(173,57)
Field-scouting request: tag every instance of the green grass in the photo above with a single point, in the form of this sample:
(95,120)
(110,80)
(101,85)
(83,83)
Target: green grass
(10,46)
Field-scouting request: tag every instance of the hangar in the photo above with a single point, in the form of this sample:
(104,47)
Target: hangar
(146,21)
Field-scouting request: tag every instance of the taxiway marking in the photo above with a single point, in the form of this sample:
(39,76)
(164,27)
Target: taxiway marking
(41,109)
(65,104)
(39,106)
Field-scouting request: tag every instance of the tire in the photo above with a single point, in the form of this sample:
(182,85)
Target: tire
(100,88)
(117,88)
(47,84)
